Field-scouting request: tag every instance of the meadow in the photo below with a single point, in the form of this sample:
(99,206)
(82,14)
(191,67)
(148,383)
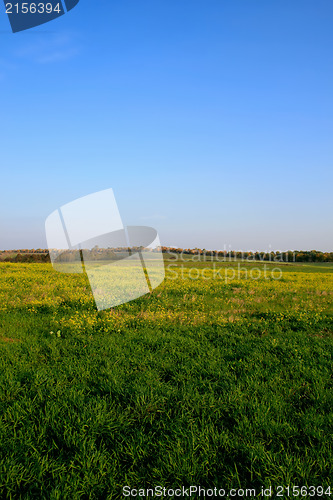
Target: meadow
(217,378)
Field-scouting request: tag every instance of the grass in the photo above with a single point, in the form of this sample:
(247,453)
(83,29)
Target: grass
(211,381)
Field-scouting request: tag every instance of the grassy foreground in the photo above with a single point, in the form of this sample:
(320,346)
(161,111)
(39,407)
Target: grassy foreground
(211,380)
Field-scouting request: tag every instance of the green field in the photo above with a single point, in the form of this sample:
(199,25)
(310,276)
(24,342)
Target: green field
(215,379)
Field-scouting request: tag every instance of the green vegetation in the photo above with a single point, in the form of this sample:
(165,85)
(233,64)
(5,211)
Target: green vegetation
(214,379)
(97,253)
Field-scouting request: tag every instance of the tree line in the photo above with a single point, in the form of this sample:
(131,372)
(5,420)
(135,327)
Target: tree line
(42,255)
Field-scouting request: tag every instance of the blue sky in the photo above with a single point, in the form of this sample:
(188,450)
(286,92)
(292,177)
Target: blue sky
(211,120)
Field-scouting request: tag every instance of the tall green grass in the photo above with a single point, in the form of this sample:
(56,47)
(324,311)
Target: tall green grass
(203,382)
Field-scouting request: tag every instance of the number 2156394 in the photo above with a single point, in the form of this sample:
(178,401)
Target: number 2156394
(32,8)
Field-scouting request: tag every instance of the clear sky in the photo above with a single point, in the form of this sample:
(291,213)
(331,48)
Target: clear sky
(212,120)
